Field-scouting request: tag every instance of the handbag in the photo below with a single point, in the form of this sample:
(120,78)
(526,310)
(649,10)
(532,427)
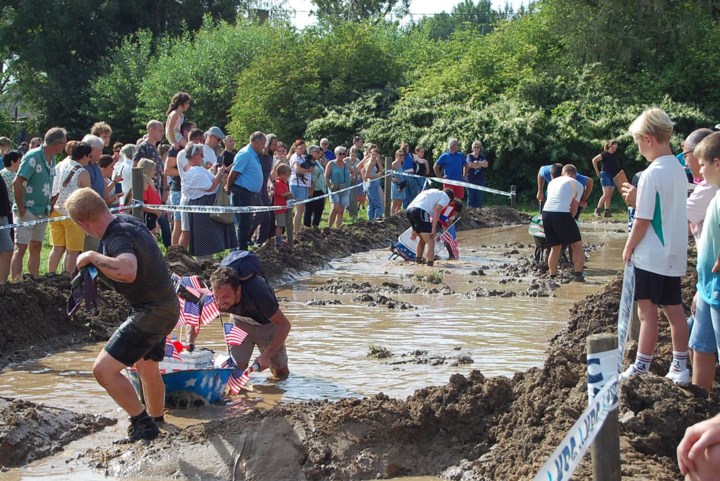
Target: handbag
(221,200)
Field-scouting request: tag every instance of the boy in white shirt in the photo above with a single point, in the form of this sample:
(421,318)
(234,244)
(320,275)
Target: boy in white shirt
(658,244)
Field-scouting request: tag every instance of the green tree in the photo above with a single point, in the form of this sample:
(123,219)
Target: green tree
(335,11)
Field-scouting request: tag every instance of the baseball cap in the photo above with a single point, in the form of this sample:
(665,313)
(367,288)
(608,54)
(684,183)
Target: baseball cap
(215,132)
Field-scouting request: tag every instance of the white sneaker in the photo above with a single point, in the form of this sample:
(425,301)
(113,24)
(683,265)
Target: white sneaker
(630,372)
(681,378)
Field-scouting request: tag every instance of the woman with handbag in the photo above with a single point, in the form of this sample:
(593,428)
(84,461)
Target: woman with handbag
(337,177)
(200,187)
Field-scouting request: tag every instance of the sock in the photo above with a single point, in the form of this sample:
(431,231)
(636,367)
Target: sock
(642,362)
(140,416)
(679,362)
(159,419)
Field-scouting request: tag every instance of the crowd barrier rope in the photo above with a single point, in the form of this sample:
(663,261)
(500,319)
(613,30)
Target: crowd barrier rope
(208,209)
(603,379)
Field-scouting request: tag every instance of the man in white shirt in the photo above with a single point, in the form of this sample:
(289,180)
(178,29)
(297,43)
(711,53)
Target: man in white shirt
(423,214)
(561,205)
(213,137)
(658,244)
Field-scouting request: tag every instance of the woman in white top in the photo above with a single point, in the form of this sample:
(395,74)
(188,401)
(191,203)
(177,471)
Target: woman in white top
(66,236)
(300,180)
(200,186)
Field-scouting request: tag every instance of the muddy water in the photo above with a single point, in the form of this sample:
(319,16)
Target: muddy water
(328,345)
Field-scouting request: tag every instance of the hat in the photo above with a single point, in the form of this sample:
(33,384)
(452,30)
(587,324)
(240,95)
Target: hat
(314,148)
(215,132)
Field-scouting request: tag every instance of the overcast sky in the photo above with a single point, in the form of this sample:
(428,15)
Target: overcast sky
(417,8)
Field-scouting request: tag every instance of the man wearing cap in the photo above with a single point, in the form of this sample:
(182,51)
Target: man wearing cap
(454,167)
(244,183)
(213,137)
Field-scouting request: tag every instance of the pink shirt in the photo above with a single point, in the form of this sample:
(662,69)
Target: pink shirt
(697,204)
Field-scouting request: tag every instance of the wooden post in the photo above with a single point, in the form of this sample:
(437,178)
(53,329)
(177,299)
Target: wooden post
(388,186)
(137,191)
(605,449)
(513,197)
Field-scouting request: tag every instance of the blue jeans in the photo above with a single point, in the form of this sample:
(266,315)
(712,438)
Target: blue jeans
(411,191)
(475,196)
(375,201)
(241,197)
(705,330)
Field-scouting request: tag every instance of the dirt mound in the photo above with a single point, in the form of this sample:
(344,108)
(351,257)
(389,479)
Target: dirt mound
(30,431)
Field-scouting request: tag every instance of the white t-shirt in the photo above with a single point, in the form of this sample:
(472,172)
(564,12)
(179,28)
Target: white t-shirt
(661,199)
(196,183)
(697,204)
(560,193)
(123,168)
(209,156)
(428,199)
(303,180)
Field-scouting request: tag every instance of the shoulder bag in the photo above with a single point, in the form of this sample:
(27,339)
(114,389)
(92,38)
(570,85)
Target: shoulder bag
(221,200)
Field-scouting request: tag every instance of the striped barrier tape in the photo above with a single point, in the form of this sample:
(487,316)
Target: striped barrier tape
(460,183)
(567,456)
(47,220)
(625,310)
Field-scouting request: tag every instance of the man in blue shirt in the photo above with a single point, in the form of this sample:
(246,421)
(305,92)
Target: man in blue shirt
(454,167)
(244,183)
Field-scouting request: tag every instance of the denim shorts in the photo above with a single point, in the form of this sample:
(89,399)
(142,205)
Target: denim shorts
(299,192)
(606,180)
(705,330)
(343,198)
(175,200)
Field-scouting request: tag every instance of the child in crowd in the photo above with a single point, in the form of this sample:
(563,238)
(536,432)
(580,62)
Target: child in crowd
(399,183)
(283,217)
(150,194)
(705,335)
(356,168)
(657,244)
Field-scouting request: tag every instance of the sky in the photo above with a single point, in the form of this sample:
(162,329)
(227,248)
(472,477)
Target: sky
(417,8)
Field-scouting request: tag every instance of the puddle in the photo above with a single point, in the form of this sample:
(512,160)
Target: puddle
(328,344)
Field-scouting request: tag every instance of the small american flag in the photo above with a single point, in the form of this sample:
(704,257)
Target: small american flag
(209,311)
(171,352)
(446,214)
(228,363)
(234,336)
(189,313)
(450,238)
(238,379)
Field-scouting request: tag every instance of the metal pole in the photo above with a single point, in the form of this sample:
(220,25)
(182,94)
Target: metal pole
(605,449)
(388,185)
(137,191)
(513,197)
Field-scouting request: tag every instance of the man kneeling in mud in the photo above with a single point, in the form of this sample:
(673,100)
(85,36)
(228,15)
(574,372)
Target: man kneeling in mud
(132,264)
(423,213)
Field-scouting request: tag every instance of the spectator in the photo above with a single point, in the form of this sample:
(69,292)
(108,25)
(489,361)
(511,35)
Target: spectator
(107,164)
(102,130)
(373,171)
(411,185)
(283,217)
(422,166)
(423,213)
(5,146)
(326,152)
(213,141)
(172,171)
(116,151)
(352,162)
(35,142)
(244,182)
(358,144)
(263,222)
(150,195)
(300,180)
(228,154)
(318,188)
(66,237)
(453,167)
(477,166)
(610,168)
(196,136)
(147,149)
(337,177)
(11,164)
(179,104)
(136,269)
(32,186)
(659,253)
(703,193)
(399,184)
(563,200)
(123,170)
(6,241)
(24,147)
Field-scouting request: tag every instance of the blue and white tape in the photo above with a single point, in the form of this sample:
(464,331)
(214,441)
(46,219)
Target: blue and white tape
(567,456)
(625,312)
(47,220)
(601,366)
(459,183)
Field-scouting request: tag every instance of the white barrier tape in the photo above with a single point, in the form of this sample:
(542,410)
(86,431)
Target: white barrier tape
(601,367)
(460,183)
(625,310)
(567,456)
(47,220)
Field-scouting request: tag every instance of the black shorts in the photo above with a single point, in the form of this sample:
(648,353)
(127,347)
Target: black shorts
(129,344)
(659,289)
(419,220)
(560,228)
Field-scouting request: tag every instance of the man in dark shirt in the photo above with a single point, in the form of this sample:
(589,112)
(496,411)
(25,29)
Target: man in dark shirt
(255,310)
(133,265)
